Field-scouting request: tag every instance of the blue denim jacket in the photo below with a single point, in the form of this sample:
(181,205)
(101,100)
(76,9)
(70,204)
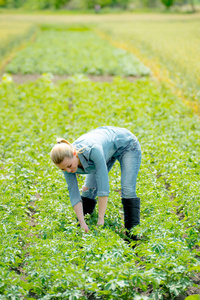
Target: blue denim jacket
(97,149)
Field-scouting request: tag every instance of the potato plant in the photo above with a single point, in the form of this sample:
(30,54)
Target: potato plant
(44,255)
(72,50)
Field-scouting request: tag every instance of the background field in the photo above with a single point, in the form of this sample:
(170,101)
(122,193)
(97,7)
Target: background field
(43,254)
(168,44)
(72,50)
(172,44)
(12,35)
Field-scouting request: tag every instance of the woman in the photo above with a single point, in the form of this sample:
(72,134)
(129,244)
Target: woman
(94,154)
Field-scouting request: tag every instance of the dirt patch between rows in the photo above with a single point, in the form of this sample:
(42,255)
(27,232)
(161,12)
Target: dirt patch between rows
(20,79)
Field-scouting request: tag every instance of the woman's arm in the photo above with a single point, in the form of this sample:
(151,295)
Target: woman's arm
(73,189)
(79,212)
(102,209)
(101,176)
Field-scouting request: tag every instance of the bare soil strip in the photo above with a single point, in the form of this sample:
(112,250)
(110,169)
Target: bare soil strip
(20,79)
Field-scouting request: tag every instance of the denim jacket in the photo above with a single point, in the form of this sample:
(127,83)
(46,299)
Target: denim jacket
(98,148)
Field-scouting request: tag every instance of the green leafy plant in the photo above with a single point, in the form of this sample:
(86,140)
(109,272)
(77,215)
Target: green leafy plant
(74,50)
(167,3)
(44,255)
(193,297)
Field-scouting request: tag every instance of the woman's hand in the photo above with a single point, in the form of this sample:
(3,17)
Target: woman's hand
(79,212)
(84,226)
(100,221)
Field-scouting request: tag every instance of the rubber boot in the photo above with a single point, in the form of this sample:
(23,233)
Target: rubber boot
(88,205)
(131,216)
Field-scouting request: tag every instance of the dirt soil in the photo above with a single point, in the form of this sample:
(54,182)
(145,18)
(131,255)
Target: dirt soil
(20,79)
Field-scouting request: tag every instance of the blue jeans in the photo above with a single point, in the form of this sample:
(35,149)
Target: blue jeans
(130,164)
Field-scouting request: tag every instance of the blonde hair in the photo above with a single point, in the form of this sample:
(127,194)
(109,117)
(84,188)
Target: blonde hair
(61,150)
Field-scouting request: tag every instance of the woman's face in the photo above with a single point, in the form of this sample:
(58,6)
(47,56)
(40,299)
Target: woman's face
(69,164)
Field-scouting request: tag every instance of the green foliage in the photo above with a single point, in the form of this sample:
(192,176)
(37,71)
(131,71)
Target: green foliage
(13,3)
(168,3)
(76,50)
(104,3)
(193,297)
(57,4)
(90,4)
(13,34)
(36,4)
(44,255)
(45,4)
(147,3)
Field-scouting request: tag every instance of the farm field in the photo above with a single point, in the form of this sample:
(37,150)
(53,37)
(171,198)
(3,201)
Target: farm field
(43,254)
(12,34)
(166,43)
(172,46)
(73,50)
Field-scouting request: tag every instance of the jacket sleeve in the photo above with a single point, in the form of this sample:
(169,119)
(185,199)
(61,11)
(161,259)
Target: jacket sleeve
(101,171)
(72,183)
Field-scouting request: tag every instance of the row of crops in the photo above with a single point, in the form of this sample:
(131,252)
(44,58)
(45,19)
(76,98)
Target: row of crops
(13,34)
(74,50)
(43,254)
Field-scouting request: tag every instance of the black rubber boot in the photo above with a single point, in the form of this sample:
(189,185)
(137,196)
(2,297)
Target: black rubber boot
(131,216)
(88,205)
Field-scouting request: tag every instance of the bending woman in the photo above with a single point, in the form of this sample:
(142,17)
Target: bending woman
(94,154)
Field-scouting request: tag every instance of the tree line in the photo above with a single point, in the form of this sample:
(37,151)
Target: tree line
(92,4)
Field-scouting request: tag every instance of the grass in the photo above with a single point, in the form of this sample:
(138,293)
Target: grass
(61,17)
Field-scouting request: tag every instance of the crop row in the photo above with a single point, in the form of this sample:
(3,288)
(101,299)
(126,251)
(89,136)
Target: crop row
(44,255)
(72,50)
(12,34)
